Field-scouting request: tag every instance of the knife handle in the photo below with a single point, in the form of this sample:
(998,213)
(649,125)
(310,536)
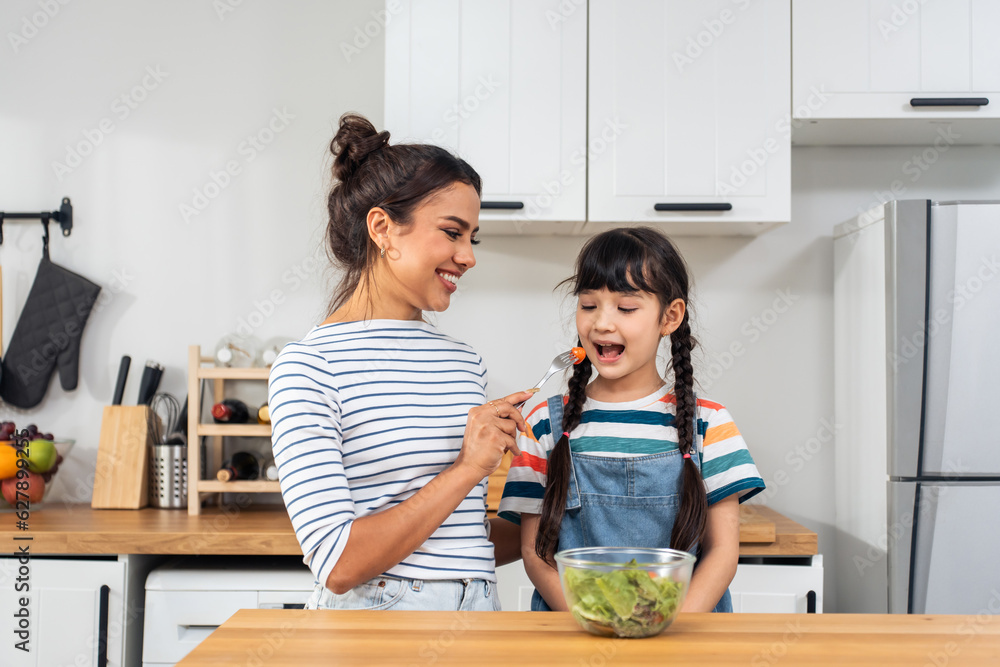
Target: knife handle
(122,376)
(146,384)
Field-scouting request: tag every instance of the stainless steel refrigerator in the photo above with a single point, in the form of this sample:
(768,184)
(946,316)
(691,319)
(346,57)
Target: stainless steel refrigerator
(917,374)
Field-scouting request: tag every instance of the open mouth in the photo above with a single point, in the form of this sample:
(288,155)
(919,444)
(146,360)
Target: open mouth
(450,280)
(609,352)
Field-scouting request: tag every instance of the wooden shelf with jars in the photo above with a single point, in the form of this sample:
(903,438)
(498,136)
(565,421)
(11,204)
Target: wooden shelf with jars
(197,487)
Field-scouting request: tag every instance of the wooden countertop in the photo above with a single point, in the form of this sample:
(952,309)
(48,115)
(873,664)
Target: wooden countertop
(79,529)
(258,530)
(790,538)
(280,638)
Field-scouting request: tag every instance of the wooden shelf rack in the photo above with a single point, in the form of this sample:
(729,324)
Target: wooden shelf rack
(197,487)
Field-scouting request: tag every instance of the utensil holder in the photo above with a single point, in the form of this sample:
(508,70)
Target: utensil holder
(168,476)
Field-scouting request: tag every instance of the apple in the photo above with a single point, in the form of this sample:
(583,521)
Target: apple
(35,490)
(41,455)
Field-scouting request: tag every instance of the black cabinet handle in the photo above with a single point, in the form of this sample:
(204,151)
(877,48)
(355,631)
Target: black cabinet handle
(502,205)
(949,102)
(722,206)
(811,602)
(102,628)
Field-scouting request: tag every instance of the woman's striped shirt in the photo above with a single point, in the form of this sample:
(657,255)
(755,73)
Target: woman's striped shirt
(635,428)
(363,415)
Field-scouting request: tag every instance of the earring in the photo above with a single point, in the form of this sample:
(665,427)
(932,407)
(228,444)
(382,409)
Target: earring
(382,252)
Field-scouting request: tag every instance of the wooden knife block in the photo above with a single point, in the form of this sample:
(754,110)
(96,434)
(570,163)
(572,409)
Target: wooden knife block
(121,480)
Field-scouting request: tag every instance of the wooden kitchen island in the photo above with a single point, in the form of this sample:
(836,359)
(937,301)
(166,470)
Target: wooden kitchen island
(93,566)
(292,638)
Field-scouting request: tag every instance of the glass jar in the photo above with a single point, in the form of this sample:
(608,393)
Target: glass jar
(234,351)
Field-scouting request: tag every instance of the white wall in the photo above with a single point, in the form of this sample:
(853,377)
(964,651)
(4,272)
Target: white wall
(191,282)
(170,282)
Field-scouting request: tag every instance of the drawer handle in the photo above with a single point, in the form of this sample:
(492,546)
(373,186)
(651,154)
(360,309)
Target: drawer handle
(102,628)
(949,102)
(811,602)
(502,205)
(722,206)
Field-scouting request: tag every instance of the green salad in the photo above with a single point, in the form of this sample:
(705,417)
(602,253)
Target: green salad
(624,603)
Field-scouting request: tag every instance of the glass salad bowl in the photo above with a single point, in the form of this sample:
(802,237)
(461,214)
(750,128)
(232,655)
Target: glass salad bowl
(622,591)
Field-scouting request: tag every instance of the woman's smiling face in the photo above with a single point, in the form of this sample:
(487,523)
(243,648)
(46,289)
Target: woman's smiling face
(425,259)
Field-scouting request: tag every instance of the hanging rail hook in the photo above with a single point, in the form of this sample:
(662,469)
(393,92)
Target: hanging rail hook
(64,216)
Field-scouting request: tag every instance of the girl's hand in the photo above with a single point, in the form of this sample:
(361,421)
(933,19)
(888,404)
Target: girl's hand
(490,433)
(544,576)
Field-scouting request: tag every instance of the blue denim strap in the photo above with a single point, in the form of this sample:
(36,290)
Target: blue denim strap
(555,405)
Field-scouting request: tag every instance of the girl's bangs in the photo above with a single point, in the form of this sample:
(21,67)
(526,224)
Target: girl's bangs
(616,262)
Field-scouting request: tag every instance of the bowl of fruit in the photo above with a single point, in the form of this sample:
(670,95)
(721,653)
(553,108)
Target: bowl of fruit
(42,453)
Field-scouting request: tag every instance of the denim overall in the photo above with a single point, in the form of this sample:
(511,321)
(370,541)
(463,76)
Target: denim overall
(620,502)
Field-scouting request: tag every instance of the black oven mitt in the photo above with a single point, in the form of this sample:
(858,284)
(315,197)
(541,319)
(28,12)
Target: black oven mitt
(47,332)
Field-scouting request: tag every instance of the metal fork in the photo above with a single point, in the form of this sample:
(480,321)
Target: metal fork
(560,363)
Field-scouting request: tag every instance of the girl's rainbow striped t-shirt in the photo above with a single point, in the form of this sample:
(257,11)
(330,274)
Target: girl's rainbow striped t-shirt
(635,428)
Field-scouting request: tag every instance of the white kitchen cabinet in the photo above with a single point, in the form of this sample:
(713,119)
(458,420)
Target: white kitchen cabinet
(80,611)
(503,84)
(689,115)
(871,72)
(763,585)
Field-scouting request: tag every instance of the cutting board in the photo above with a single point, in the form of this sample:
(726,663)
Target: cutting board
(121,480)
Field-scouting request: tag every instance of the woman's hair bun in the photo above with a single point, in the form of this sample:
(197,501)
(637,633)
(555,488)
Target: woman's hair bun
(355,140)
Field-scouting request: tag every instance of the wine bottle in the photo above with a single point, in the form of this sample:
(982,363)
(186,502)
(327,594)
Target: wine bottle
(263,415)
(231,411)
(271,472)
(243,465)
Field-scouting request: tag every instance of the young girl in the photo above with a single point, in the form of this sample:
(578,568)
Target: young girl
(623,460)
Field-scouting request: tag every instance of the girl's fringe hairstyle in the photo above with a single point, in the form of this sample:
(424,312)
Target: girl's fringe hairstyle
(630,260)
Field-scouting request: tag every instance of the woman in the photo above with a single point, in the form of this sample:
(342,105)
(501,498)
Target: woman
(381,429)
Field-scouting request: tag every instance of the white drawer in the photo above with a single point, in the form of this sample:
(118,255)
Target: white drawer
(177,621)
